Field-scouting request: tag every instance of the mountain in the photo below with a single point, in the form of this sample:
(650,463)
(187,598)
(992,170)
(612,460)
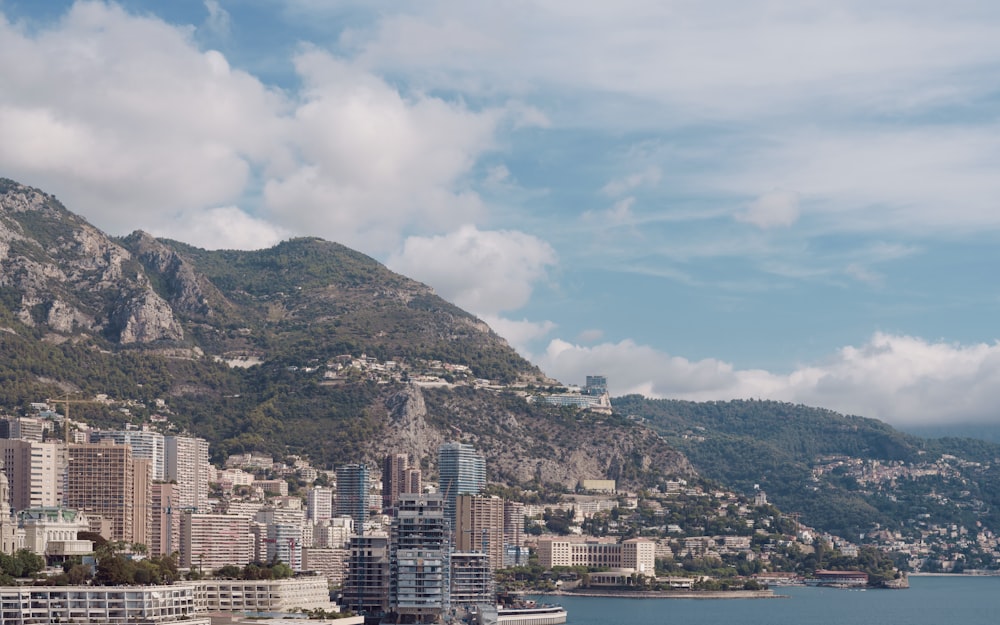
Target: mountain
(307,347)
(844,474)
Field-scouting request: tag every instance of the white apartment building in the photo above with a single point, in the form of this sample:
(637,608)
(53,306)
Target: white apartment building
(186,462)
(37,605)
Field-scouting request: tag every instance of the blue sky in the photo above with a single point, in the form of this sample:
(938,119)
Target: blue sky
(792,200)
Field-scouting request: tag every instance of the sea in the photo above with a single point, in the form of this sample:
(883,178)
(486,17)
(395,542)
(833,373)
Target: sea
(930,600)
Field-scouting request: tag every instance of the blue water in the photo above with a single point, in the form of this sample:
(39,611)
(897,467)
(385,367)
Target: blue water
(955,600)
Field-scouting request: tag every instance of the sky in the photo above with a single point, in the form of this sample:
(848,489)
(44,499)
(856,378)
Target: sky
(700,200)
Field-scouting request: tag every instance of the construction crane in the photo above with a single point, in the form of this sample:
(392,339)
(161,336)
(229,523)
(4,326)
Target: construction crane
(66,401)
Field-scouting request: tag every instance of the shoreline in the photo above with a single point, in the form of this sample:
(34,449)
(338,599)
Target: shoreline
(670,594)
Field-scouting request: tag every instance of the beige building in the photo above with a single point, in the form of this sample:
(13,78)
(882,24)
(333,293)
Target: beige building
(635,554)
(34,471)
(103,480)
(53,531)
(211,541)
(479,524)
(280,595)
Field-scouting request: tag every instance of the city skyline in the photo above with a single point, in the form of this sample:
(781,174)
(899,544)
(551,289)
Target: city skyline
(784,202)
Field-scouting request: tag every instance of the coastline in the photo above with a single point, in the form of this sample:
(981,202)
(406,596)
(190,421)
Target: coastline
(670,594)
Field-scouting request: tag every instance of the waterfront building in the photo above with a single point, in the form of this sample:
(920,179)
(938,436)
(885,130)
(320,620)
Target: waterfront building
(366,587)
(479,526)
(352,492)
(211,541)
(471,579)
(35,472)
(462,472)
(420,559)
(186,463)
(113,605)
(635,554)
(271,595)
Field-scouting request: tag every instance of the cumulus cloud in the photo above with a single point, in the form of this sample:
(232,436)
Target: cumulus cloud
(520,333)
(126,116)
(772,209)
(902,380)
(224,227)
(486,272)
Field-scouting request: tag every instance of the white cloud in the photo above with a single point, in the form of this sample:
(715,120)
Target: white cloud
(902,380)
(772,209)
(218,21)
(224,227)
(485,272)
(125,117)
(374,163)
(649,177)
(590,336)
(622,210)
(520,333)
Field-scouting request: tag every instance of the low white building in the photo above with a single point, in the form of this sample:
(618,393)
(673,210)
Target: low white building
(145,605)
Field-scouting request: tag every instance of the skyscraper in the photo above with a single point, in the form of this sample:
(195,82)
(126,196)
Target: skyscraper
(462,472)
(398,477)
(101,479)
(479,523)
(420,559)
(185,461)
(35,471)
(352,493)
(144,443)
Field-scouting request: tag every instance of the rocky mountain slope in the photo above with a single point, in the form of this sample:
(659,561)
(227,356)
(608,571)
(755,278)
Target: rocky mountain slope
(246,349)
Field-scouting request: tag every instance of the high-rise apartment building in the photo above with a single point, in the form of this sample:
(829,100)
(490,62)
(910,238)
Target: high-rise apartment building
(479,525)
(366,587)
(211,541)
(513,523)
(352,493)
(420,561)
(319,504)
(164,520)
(34,471)
(101,480)
(471,579)
(462,472)
(144,443)
(185,461)
(398,477)
(284,543)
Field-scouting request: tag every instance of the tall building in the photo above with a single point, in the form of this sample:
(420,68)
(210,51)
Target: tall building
(366,587)
(101,481)
(144,443)
(319,504)
(8,526)
(284,543)
(35,471)
(479,527)
(185,461)
(164,520)
(352,493)
(420,561)
(462,472)
(513,523)
(211,541)
(398,477)
(142,496)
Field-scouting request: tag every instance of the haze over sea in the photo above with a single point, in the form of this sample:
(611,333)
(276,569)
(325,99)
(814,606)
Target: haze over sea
(953,600)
